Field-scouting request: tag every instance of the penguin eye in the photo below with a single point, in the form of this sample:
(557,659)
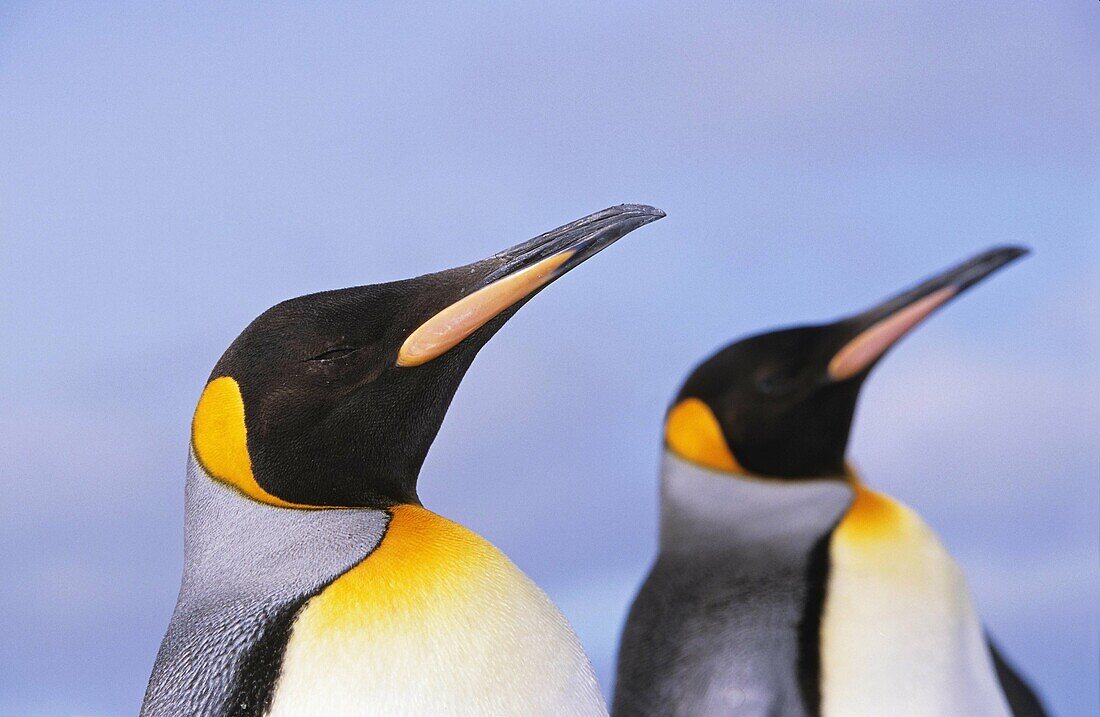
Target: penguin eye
(775,382)
(332,354)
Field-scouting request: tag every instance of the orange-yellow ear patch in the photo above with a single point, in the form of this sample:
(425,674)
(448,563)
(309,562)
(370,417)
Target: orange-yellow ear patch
(220,440)
(692,432)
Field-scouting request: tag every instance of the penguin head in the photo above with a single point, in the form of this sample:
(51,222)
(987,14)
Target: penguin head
(333,399)
(780,404)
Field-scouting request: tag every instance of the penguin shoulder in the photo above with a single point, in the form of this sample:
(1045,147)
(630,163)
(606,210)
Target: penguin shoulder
(440,611)
(881,534)
(899,632)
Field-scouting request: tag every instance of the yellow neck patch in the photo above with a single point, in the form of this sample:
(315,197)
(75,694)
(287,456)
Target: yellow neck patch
(220,440)
(873,517)
(424,564)
(693,433)
(434,621)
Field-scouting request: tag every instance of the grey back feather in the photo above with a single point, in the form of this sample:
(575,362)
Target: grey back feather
(714,629)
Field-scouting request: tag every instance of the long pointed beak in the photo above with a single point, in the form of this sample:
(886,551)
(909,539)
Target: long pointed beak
(516,274)
(875,331)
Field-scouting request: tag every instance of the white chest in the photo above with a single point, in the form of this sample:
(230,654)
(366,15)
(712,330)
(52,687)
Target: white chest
(899,635)
(435,622)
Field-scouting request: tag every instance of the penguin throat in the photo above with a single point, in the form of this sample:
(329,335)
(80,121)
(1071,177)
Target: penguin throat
(705,510)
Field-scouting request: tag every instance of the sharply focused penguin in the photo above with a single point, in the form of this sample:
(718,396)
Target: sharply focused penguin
(783,586)
(314,581)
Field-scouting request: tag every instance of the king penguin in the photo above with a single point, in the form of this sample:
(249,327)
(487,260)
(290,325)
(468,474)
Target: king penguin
(783,586)
(314,582)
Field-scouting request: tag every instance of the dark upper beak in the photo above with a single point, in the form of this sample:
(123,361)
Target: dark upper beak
(584,238)
(872,333)
(516,274)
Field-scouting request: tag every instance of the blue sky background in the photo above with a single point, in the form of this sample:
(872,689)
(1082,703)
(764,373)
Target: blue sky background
(168,172)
